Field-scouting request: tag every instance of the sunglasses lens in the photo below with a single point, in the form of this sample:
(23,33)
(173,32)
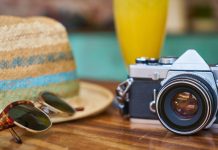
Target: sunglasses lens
(30,117)
(57,103)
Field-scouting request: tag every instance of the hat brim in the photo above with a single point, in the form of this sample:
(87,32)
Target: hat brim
(92,97)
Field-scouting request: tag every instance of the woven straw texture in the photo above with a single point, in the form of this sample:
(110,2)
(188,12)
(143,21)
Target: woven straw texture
(35,55)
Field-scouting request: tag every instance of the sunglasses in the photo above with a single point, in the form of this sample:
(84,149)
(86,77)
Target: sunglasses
(34,117)
(52,104)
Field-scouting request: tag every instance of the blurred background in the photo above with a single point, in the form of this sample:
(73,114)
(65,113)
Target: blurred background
(191,24)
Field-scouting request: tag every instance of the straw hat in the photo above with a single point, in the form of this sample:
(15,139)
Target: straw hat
(35,56)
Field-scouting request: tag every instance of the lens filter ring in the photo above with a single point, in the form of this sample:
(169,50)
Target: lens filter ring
(178,123)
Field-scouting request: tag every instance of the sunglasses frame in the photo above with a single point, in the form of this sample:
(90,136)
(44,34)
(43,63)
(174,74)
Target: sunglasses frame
(46,107)
(7,122)
(35,131)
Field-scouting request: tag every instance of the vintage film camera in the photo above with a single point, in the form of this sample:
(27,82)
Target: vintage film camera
(181,93)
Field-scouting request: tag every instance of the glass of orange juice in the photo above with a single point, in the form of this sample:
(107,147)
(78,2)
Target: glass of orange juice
(140,26)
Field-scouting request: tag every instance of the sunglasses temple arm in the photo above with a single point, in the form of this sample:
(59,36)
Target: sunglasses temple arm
(16,138)
(79,108)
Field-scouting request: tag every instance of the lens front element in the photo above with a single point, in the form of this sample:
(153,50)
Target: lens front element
(185,105)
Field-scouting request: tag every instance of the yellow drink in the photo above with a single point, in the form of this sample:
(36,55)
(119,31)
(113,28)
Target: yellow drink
(140,26)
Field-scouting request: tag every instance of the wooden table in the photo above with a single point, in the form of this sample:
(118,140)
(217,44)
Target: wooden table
(108,131)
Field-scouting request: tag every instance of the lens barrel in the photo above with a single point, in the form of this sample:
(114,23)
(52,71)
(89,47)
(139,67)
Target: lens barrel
(186,104)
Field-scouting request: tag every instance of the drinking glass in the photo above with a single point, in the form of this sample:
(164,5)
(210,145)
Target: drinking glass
(140,27)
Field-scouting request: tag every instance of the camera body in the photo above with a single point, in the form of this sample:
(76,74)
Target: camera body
(180,93)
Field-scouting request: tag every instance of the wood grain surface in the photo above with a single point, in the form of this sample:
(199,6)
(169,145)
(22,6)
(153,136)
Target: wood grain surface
(108,131)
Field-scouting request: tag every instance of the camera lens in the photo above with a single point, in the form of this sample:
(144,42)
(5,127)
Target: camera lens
(185,105)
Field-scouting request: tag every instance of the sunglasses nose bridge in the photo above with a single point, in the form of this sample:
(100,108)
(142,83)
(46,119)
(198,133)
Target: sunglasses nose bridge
(48,109)
(55,104)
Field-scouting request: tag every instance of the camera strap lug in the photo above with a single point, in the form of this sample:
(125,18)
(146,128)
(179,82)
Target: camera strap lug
(122,97)
(122,90)
(152,103)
